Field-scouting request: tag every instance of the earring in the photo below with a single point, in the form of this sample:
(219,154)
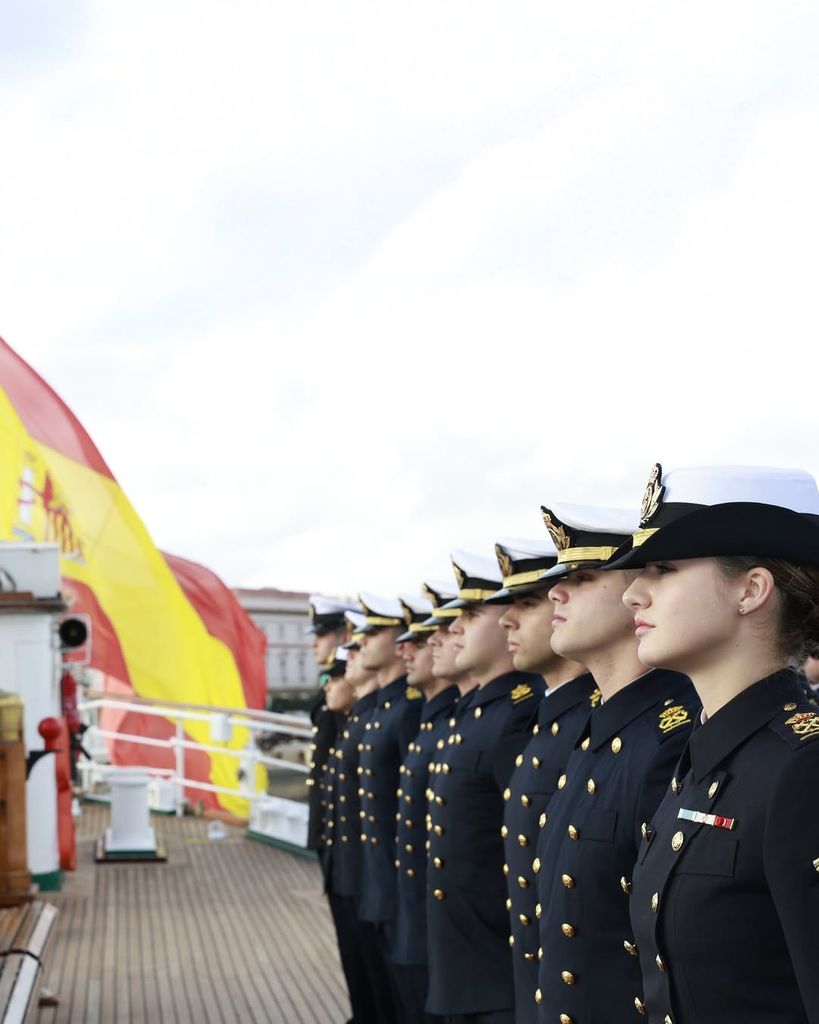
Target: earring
(741,610)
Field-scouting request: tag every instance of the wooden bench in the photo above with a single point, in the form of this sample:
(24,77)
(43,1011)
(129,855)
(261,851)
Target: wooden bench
(24,934)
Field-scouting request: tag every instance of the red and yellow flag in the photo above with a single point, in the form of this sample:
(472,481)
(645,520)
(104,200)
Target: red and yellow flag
(162,627)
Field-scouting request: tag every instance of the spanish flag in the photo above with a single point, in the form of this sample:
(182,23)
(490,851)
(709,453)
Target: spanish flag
(162,627)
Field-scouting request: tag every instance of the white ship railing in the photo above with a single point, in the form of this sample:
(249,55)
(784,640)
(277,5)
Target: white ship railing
(222,722)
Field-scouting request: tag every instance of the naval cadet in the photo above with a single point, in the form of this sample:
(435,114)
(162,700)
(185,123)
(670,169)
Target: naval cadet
(440,697)
(611,784)
(342,857)
(443,643)
(328,627)
(563,713)
(725,898)
(470,967)
(393,726)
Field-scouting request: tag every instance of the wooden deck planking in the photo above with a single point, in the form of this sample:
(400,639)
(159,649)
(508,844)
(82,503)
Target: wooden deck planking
(227,931)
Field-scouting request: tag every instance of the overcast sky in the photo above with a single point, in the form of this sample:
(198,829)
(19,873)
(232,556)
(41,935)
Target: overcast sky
(337,287)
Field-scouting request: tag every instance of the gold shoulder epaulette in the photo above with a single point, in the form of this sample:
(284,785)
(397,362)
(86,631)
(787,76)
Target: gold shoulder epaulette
(521,692)
(413,693)
(673,717)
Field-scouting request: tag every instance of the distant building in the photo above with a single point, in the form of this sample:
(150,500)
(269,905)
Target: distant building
(283,617)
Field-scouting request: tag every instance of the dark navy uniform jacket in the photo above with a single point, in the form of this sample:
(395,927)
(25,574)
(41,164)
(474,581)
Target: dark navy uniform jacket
(411,832)
(325,728)
(562,717)
(470,964)
(343,859)
(726,908)
(387,735)
(612,784)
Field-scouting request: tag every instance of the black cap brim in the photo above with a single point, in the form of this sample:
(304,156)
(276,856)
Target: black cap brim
(739,528)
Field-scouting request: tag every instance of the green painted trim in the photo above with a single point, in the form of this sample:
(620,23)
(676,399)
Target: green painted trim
(49,881)
(282,844)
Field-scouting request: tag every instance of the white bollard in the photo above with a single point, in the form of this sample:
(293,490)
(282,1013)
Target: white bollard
(130,830)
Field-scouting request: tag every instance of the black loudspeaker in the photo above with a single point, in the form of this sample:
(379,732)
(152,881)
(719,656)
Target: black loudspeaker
(73,633)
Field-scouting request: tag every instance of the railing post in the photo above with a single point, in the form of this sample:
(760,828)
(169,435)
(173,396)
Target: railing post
(179,758)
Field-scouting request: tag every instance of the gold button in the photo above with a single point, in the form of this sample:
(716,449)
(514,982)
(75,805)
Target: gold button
(519,760)
(667,702)
(677,840)
(452,723)
(525,801)
(658,960)
(528,956)
(536,865)
(568,881)
(511,940)
(478,712)
(439,800)
(507,793)
(629,947)
(536,730)
(438,862)
(655,902)
(543,819)
(410,873)
(591,787)
(573,833)
(667,1019)
(638,1006)
(538,996)
(522,840)
(504,831)
(712,789)
(789,707)
(536,762)
(561,782)
(438,830)
(522,882)
(565,1019)
(538,911)
(408,847)
(616,745)
(568,931)
(568,977)
(508,904)
(506,869)
(644,830)
(555,728)
(439,894)
(625,885)
(524,920)
(585,744)
(675,787)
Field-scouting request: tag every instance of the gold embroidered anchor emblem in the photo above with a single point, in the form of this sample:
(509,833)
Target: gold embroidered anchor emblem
(653,494)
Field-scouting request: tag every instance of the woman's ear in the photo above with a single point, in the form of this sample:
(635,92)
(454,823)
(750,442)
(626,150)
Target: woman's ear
(757,591)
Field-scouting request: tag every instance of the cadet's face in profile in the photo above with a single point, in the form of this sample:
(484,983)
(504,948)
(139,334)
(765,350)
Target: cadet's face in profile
(444,646)
(338,694)
(418,661)
(323,647)
(685,613)
(528,625)
(378,648)
(480,641)
(586,612)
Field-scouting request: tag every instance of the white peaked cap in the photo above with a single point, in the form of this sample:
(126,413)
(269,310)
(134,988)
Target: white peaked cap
(446,588)
(357,619)
(386,607)
(596,518)
(718,485)
(418,605)
(478,566)
(518,549)
(330,605)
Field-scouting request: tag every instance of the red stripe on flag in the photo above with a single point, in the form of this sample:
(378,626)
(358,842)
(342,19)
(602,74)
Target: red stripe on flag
(44,414)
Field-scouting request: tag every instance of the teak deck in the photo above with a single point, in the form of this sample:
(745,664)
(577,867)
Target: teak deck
(227,930)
